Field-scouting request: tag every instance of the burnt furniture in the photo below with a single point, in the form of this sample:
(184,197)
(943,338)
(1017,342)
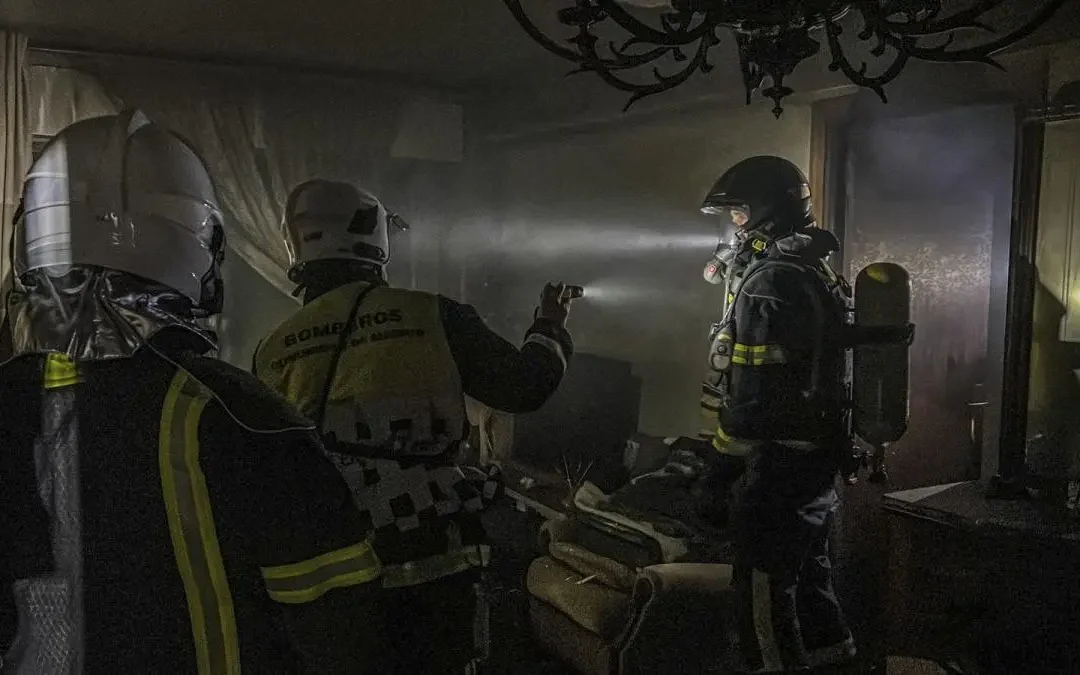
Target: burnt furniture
(600,603)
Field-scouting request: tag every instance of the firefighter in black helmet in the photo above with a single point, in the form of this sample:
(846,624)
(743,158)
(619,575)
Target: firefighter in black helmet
(776,388)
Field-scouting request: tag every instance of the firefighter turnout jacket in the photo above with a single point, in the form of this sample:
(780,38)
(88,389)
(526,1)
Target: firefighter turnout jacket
(167,513)
(385,371)
(778,365)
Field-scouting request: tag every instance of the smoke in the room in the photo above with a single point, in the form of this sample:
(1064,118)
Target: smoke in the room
(613,292)
(574,240)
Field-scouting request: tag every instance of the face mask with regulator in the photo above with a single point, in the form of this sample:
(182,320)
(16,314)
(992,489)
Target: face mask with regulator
(717,266)
(716,269)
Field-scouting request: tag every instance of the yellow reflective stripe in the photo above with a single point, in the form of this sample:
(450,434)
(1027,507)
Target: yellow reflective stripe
(436,567)
(758,355)
(756,349)
(309,580)
(60,371)
(317,590)
(720,441)
(763,622)
(191,528)
(728,445)
(317,563)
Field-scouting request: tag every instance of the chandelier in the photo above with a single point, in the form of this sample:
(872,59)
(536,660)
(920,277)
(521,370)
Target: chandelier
(772,36)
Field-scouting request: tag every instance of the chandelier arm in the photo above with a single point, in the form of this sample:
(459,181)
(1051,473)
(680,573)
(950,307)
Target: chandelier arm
(621,60)
(592,62)
(538,35)
(625,60)
(858,76)
(643,32)
(751,72)
(698,32)
(979,54)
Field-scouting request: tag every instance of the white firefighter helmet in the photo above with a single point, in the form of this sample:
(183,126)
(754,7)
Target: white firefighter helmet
(122,193)
(331,220)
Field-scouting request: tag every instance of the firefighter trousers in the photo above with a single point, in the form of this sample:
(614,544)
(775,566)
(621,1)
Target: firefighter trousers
(789,616)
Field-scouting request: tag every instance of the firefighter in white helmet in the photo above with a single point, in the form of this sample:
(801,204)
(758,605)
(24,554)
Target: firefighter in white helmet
(163,511)
(383,373)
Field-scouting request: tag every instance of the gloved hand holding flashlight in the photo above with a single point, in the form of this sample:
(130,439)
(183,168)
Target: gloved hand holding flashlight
(555,302)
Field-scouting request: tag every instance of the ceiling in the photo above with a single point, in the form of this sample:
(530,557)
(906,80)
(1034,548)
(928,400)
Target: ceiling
(444,42)
(449,43)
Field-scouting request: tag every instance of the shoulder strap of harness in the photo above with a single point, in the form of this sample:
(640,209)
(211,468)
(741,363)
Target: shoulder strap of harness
(754,268)
(324,397)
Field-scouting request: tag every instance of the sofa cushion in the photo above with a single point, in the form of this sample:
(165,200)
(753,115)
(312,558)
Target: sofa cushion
(592,605)
(683,621)
(607,571)
(632,549)
(583,650)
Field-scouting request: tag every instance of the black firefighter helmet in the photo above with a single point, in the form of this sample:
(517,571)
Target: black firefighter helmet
(773,192)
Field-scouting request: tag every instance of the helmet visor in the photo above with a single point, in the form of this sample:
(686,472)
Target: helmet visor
(737,215)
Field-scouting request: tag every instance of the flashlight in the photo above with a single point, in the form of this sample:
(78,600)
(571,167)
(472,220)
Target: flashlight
(573,292)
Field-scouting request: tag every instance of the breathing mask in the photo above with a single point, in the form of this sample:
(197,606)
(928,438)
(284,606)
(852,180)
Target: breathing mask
(717,267)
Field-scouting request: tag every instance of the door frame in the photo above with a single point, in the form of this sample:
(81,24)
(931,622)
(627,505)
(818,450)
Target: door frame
(829,127)
(1008,469)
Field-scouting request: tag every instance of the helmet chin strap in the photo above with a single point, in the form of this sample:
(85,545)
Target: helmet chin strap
(757,237)
(754,241)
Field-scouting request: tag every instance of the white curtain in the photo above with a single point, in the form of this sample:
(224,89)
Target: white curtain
(15,142)
(61,96)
